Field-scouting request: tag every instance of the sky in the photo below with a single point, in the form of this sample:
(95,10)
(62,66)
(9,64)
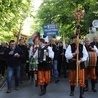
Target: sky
(28,21)
(37,4)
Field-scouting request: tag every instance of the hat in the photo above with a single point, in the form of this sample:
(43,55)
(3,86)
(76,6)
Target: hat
(42,40)
(74,36)
(35,36)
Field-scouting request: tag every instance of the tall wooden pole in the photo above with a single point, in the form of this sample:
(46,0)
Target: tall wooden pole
(78,14)
(77,67)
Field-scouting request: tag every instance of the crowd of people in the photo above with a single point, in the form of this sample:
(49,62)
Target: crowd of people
(41,60)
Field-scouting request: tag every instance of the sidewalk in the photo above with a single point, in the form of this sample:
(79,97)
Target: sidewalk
(2,82)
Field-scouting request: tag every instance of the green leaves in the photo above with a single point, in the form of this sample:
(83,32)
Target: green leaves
(61,12)
(12,13)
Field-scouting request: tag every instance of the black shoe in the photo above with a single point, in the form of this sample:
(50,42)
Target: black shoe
(42,90)
(8,91)
(96,81)
(86,89)
(94,90)
(71,93)
(72,88)
(65,76)
(81,96)
(36,83)
(17,88)
(93,86)
(86,83)
(45,87)
(21,82)
(57,80)
(81,92)
(42,93)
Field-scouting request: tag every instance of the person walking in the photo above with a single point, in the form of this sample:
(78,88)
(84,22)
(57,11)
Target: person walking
(44,54)
(71,54)
(13,54)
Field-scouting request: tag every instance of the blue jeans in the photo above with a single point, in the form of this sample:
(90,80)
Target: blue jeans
(55,70)
(10,72)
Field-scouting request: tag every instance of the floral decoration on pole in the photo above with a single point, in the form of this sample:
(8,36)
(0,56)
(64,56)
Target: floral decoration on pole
(78,14)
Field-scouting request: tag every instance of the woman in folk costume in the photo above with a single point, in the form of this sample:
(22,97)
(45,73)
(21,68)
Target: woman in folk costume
(33,66)
(44,54)
(90,70)
(71,54)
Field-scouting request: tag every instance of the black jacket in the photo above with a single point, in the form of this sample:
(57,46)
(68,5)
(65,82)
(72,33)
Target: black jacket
(72,62)
(11,59)
(55,49)
(25,53)
(93,43)
(2,50)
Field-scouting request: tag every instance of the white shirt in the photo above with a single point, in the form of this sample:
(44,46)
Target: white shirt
(96,50)
(50,52)
(31,50)
(69,55)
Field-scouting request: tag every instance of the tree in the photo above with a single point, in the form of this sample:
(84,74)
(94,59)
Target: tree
(12,14)
(61,12)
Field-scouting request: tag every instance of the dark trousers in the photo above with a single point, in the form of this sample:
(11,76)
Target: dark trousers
(10,72)
(96,70)
(22,71)
(2,68)
(62,66)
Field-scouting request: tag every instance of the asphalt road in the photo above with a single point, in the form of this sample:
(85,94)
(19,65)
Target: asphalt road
(54,90)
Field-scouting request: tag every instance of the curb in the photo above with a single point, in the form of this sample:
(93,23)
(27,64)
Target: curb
(2,84)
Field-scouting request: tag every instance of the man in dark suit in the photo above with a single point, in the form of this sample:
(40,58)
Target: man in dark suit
(13,54)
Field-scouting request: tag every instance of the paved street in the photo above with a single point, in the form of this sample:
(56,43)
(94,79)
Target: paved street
(59,90)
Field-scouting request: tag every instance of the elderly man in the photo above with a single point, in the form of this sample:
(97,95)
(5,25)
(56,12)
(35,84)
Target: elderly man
(95,42)
(90,70)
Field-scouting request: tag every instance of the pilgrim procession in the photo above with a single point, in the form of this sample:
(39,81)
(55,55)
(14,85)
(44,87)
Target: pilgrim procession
(49,49)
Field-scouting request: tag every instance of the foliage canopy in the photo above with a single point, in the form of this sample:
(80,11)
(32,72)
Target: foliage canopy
(61,12)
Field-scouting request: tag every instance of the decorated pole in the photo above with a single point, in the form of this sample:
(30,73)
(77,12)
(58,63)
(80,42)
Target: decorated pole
(78,14)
